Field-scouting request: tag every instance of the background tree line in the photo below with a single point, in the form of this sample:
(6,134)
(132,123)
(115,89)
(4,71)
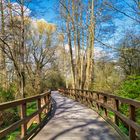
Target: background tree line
(86,27)
(35,54)
(27,51)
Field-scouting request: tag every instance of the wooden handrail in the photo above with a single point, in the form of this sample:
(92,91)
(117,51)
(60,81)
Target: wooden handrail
(44,98)
(124,100)
(11,104)
(103,102)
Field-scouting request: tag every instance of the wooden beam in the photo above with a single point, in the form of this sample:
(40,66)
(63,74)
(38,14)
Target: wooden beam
(22,116)
(132,133)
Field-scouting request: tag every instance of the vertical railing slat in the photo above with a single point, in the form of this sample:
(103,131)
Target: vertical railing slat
(98,98)
(117,109)
(23,115)
(132,133)
(39,107)
(105,102)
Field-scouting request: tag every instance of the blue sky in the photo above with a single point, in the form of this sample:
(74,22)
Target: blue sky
(47,9)
(44,9)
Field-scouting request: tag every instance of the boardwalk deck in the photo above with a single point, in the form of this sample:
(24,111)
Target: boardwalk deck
(73,121)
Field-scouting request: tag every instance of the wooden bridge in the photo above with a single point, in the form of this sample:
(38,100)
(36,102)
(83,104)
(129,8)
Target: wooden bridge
(60,118)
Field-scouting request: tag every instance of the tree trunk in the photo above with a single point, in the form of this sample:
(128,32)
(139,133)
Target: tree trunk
(2,55)
(90,49)
(71,55)
(22,49)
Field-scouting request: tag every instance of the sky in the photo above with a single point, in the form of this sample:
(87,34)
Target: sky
(47,10)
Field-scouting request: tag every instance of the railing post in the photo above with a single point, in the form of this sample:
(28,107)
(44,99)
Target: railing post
(49,97)
(117,109)
(48,101)
(105,101)
(70,92)
(87,100)
(39,107)
(45,102)
(92,97)
(75,94)
(23,115)
(81,96)
(132,133)
(82,101)
(98,100)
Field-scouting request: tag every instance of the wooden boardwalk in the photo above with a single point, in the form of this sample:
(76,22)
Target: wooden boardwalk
(73,121)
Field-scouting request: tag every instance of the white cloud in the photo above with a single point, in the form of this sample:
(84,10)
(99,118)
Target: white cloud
(16,8)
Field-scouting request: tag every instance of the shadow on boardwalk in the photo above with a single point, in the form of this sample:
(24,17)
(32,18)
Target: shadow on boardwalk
(73,121)
(46,120)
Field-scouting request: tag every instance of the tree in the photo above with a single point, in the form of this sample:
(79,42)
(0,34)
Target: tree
(129,9)
(81,20)
(14,40)
(129,54)
(2,55)
(41,51)
(27,49)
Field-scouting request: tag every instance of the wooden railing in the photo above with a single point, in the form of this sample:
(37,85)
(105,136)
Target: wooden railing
(43,104)
(105,103)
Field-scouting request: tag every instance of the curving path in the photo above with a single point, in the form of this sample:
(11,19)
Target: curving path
(73,121)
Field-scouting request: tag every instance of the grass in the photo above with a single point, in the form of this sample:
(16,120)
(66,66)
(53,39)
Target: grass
(13,136)
(123,128)
(31,108)
(121,125)
(110,115)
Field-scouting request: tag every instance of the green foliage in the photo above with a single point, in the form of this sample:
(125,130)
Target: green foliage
(8,117)
(14,135)
(107,76)
(129,54)
(31,108)
(54,80)
(130,88)
(123,128)
(7,95)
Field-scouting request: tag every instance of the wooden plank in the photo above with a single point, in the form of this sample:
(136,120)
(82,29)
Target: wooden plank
(23,115)
(31,121)
(45,102)
(15,103)
(98,101)
(39,107)
(117,109)
(132,133)
(105,101)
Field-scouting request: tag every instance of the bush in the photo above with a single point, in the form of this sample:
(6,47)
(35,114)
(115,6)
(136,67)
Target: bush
(54,81)
(7,95)
(130,88)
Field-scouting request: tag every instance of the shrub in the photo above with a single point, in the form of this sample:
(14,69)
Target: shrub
(130,88)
